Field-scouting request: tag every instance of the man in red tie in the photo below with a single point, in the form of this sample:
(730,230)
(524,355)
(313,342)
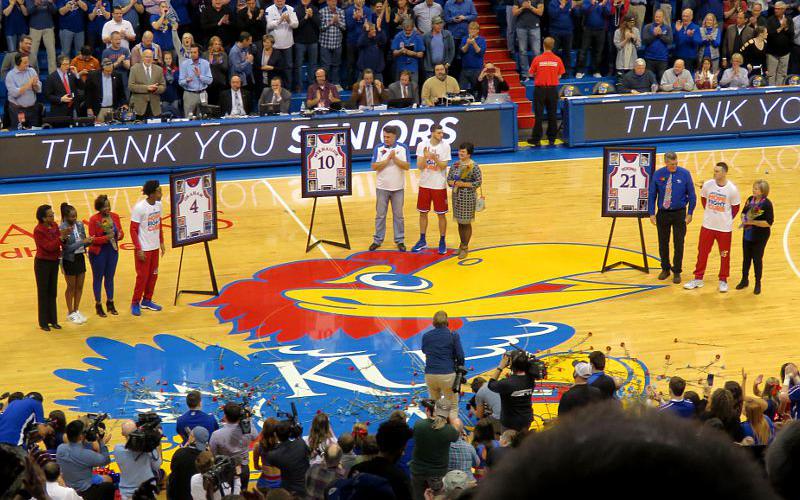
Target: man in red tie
(64,90)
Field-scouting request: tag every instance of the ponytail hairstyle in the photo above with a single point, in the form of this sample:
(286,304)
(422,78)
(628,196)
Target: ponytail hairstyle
(100,201)
(66,209)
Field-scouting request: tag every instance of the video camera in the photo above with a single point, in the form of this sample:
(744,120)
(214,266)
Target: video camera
(245,421)
(93,430)
(461,378)
(147,436)
(297,428)
(222,472)
(536,368)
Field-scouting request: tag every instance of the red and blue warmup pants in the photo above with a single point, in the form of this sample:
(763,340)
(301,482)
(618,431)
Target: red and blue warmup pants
(146,276)
(104,266)
(707,239)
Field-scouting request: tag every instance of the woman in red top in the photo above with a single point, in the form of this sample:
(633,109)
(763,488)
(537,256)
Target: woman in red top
(48,240)
(105,228)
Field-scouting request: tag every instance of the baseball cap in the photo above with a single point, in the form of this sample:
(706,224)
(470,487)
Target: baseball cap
(107,62)
(442,408)
(583,369)
(780,5)
(455,480)
(200,434)
(438,19)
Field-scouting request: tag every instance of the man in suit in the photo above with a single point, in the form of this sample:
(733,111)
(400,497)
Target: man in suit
(367,91)
(403,88)
(105,92)
(735,36)
(63,90)
(276,94)
(146,84)
(236,100)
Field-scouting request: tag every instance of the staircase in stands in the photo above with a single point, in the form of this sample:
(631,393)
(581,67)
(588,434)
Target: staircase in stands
(497,53)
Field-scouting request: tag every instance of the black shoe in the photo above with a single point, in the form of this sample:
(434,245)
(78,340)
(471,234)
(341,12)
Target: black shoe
(742,284)
(45,328)
(401,247)
(676,278)
(757,288)
(373,247)
(100,311)
(56,326)
(664,274)
(111,308)
(552,142)
(534,143)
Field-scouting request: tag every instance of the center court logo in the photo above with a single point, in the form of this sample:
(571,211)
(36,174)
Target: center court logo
(343,336)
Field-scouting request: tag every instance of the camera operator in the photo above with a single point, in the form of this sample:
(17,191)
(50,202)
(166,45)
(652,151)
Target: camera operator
(230,441)
(515,391)
(20,417)
(136,464)
(77,457)
(182,464)
(487,403)
(217,477)
(291,456)
(443,358)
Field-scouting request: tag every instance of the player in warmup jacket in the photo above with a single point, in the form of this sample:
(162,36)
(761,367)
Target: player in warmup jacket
(721,201)
(148,238)
(433,156)
(546,69)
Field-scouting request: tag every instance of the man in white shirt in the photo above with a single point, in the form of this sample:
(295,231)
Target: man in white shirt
(432,157)
(148,239)
(390,159)
(54,490)
(281,20)
(721,201)
(124,27)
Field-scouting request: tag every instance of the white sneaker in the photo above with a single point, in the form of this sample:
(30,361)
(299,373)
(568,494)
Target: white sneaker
(578,75)
(695,283)
(723,286)
(597,75)
(81,317)
(74,318)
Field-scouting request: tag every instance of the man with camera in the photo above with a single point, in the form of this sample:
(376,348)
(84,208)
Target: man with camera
(515,391)
(291,457)
(22,416)
(444,361)
(137,459)
(84,450)
(183,464)
(234,437)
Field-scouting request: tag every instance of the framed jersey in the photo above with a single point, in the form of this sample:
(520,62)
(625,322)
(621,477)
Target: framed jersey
(194,207)
(627,173)
(326,168)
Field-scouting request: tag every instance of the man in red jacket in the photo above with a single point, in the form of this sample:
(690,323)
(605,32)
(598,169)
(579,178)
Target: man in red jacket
(546,69)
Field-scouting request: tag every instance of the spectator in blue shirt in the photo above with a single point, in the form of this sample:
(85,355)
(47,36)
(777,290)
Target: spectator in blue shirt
(439,47)
(18,418)
(687,39)
(130,11)
(42,28)
(715,7)
(443,353)
(182,11)
(672,189)
(241,59)
(71,25)
(758,426)
(657,38)
(77,458)
(458,14)
(99,14)
(595,21)
(561,28)
(677,404)
(16,24)
(135,467)
(472,49)
(356,17)
(370,51)
(790,390)
(163,27)
(195,417)
(408,48)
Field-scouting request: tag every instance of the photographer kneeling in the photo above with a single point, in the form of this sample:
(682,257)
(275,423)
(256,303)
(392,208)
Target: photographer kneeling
(217,477)
(83,451)
(139,459)
(515,391)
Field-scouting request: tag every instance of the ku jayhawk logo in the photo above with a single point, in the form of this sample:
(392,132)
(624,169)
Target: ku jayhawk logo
(343,336)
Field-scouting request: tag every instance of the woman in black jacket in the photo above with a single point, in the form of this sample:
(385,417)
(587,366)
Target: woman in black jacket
(757,219)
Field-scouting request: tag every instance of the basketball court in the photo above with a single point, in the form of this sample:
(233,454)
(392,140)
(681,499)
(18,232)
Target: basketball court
(338,330)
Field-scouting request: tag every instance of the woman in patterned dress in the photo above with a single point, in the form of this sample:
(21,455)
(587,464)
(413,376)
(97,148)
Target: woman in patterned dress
(464,177)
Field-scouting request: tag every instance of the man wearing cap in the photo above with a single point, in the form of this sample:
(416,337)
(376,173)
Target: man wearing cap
(105,92)
(455,482)
(515,391)
(581,393)
(439,47)
(182,464)
(432,438)
(135,467)
(424,12)
(443,353)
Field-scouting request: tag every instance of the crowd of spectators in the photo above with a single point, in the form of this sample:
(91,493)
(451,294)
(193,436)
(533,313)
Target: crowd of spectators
(744,438)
